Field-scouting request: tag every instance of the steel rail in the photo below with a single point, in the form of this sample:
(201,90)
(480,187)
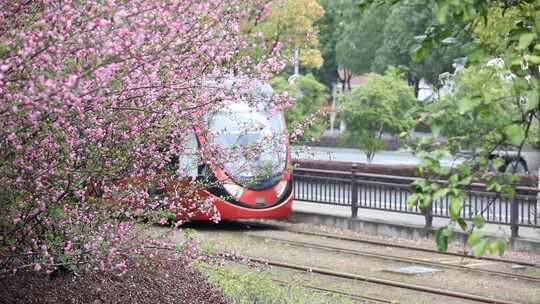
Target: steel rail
(402,259)
(384,282)
(379,243)
(358,240)
(339,292)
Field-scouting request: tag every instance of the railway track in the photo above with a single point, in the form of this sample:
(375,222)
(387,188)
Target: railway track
(379,255)
(389,283)
(383,244)
(365,299)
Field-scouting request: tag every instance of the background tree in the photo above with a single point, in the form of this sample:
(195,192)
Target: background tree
(379,107)
(291,24)
(406,21)
(306,117)
(330,29)
(361,39)
(335,31)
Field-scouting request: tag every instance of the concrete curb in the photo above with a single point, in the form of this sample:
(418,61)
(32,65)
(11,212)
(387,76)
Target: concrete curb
(381,227)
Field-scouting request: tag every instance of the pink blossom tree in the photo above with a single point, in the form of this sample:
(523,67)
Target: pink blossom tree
(95,100)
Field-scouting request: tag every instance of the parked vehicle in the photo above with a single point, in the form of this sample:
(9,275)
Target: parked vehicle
(527,161)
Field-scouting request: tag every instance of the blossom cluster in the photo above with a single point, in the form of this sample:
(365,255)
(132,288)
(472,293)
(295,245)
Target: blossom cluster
(96,98)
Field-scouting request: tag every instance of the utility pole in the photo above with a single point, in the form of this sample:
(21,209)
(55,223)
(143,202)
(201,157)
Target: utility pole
(333,110)
(296,61)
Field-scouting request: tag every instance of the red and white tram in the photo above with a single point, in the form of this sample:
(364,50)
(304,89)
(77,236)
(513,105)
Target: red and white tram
(255,179)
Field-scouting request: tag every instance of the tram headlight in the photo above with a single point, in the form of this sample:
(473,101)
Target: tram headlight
(280,188)
(233,189)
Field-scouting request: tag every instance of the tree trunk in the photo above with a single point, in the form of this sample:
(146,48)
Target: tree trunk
(341,81)
(414,83)
(345,80)
(369,156)
(348,76)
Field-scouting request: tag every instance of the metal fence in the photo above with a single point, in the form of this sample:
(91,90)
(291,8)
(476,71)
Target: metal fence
(390,193)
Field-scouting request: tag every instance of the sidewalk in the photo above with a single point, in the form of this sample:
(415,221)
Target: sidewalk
(400,224)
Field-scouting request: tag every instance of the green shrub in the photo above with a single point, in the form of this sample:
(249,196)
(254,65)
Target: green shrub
(256,286)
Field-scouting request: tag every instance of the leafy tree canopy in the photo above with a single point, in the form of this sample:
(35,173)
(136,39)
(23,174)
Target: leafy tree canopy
(407,21)
(479,108)
(381,106)
(361,39)
(382,35)
(292,23)
(330,28)
(310,98)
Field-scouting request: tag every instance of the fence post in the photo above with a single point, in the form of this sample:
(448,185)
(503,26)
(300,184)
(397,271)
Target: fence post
(514,217)
(354,192)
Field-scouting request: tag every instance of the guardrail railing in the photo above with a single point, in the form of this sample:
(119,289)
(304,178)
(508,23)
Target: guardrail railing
(390,193)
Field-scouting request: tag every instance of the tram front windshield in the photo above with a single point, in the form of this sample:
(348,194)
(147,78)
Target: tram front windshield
(253,142)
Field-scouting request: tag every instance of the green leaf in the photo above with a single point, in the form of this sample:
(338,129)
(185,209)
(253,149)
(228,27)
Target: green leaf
(478,221)
(442,12)
(469,13)
(464,169)
(448,231)
(71,62)
(443,171)
(455,207)
(466,181)
(425,203)
(466,105)
(440,194)
(474,238)
(497,163)
(441,239)
(515,134)
(426,140)
(494,186)
(442,153)
(480,248)
(115,85)
(476,55)
(532,99)
(525,40)
(498,246)
(412,201)
(462,224)
(420,51)
(534,59)
(434,187)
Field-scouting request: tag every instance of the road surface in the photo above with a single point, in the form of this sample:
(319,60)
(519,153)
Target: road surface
(355,155)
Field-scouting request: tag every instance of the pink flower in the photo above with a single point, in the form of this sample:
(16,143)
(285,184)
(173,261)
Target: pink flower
(37,267)
(102,101)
